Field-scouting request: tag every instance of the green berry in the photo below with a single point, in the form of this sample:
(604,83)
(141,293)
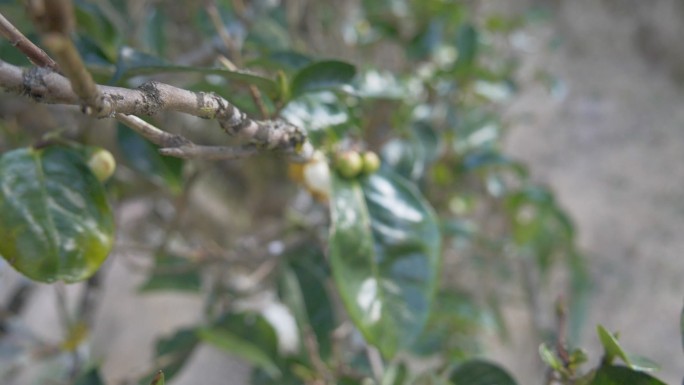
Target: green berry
(371,162)
(349,164)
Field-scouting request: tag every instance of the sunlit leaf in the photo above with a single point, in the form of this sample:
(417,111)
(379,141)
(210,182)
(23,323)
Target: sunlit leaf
(56,223)
(385,257)
(478,372)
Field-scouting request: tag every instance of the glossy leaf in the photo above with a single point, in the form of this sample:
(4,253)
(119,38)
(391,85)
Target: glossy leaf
(385,257)
(173,273)
(241,347)
(620,375)
(56,223)
(322,75)
(143,156)
(478,372)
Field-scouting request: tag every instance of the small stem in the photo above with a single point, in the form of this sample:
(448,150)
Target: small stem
(35,55)
(376,364)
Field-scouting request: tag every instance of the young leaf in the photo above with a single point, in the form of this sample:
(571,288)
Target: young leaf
(611,346)
(478,372)
(322,75)
(56,223)
(385,257)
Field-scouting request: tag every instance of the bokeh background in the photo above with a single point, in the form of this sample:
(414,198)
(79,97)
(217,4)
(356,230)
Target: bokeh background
(608,139)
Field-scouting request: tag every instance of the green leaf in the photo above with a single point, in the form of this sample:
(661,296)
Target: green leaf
(478,372)
(173,351)
(134,63)
(613,349)
(305,294)
(620,375)
(466,45)
(142,156)
(385,251)
(611,346)
(91,377)
(56,223)
(322,75)
(173,273)
(550,358)
(240,347)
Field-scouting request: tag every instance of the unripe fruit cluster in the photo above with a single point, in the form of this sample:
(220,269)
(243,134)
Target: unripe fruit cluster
(351,164)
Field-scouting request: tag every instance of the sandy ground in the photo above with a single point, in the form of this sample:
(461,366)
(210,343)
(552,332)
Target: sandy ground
(612,147)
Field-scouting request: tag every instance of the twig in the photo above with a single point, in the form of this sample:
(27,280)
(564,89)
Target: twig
(45,86)
(74,69)
(376,364)
(35,55)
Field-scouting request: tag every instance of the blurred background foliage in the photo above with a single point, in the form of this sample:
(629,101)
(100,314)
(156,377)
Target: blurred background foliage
(423,83)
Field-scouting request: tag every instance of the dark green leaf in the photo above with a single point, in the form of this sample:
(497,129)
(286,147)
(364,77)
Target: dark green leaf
(144,157)
(173,351)
(304,285)
(260,331)
(478,372)
(452,328)
(56,223)
(467,45)
(282,60)
(385,257)
(91,377)
(134,63)
(322,75)
(620,375)
(173,273)
(241,347)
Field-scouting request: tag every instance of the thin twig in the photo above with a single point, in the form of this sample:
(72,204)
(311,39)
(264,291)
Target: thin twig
(45,86)
(82,82)
(35,55)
